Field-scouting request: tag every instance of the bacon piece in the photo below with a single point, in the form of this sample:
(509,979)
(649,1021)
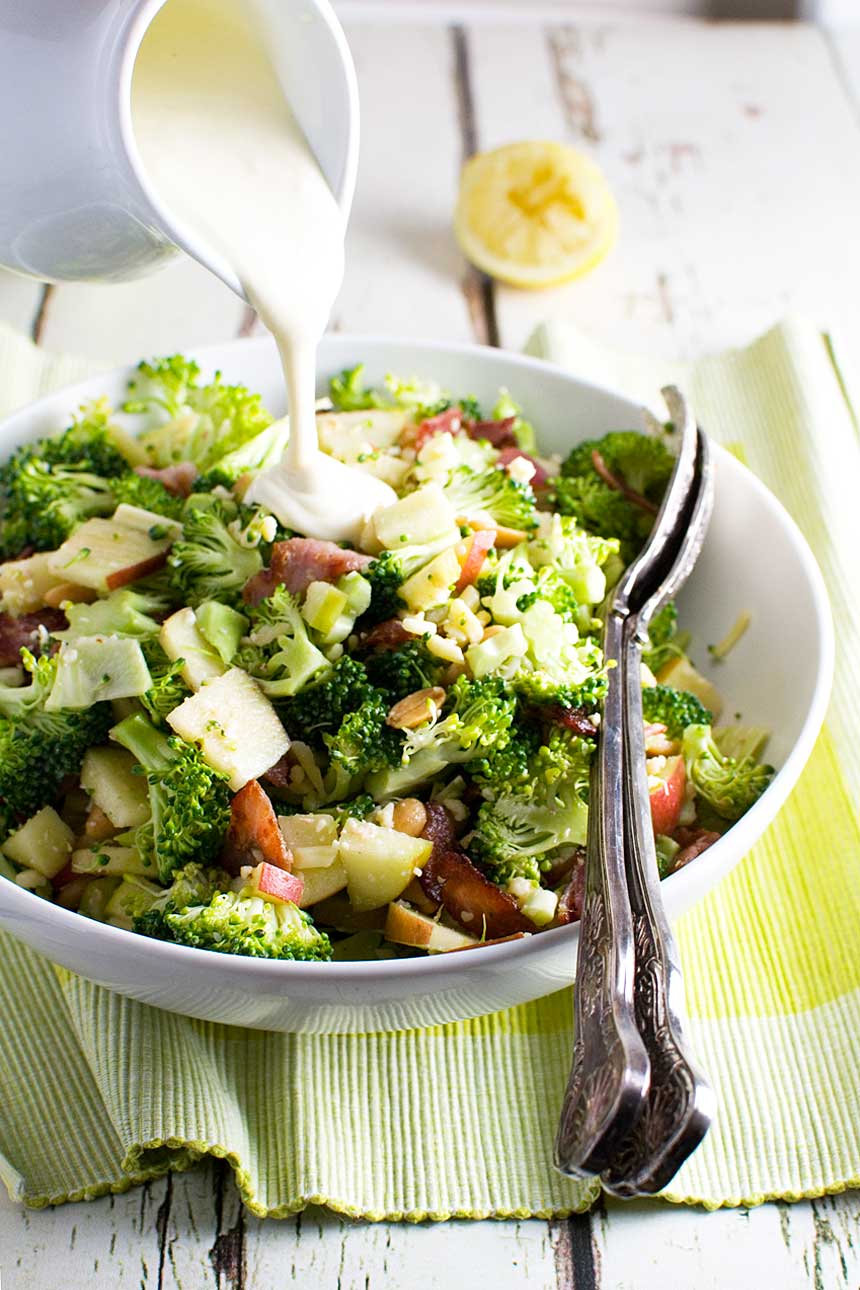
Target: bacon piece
(253,834)
(300,561)
(499,433)
(389,634)
(439,827)
(178,479)
(563,867)
(479,545)
(279,774)
(575,719)
(539,479)
(23,632)
(620,485)
(569,909)
(478,905)
(448,422)
(693,842)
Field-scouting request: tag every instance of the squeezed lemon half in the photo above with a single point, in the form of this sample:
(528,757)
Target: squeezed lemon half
(535,214)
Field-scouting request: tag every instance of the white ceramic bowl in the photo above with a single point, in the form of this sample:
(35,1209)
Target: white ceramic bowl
(779,676)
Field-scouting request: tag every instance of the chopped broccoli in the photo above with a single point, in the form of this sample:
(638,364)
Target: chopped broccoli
(349,394)
(665,642)
(47,501)
(202,423)
(321,707)
(475,722)
(213,558)
(550,586)
(147,493)
(277,651)
(38,749)
(402,671)
(539,689)
(264,450)
(190,802)
(190,885)
(168,689)
(516,835)
(385,575)
(493,492)
(364,742)
(242,923)
(125,612)
(642,462)
(675,709)
(508,768)
(728,784)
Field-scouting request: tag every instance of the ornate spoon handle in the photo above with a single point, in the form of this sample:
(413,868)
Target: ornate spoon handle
(679,1104)
(610,1070)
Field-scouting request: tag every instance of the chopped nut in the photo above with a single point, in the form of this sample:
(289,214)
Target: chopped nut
(417,708)
(493,630)
(409,817)
(418,625)
(443,648)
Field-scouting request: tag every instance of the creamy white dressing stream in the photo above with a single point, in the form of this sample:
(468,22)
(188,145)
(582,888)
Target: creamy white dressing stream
(226,156)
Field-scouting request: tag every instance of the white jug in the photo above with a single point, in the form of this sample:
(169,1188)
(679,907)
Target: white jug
(75,202)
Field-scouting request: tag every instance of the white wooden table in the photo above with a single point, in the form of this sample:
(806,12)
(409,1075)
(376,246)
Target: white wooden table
(735,155)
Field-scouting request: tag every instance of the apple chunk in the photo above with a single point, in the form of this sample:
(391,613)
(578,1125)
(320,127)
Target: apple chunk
(108,553)
(379,862)
(234,725)
(405,926)
(667,796)
(320,884)
(272,883)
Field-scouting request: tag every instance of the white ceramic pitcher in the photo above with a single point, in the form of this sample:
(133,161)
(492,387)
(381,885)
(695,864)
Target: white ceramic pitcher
(75,202)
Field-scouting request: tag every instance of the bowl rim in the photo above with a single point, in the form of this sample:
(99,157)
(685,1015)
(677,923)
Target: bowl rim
(743,832)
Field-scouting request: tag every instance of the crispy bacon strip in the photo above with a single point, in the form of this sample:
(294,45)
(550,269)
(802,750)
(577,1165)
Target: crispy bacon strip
(389,634)
(448,422)
(620,485)
(253,834)
(539,479)
(570,903)
(693,843)
(178,479)
(499,433)
(23,632)
(300,561)
(449,878)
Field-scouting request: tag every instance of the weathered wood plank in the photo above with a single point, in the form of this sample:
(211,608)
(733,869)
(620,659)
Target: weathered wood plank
(700,130)
(810,1244)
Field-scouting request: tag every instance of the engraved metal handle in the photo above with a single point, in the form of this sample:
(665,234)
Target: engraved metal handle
(634,1107)
(610,1070)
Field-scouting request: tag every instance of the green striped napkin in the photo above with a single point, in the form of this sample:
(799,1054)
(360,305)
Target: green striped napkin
(99,1093)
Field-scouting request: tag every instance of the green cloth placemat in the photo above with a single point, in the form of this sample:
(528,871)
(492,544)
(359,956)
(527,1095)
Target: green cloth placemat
(98,1092)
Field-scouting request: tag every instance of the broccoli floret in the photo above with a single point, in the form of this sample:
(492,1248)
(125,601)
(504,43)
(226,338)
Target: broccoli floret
(676,709)
(190,802)
(665,642)
(539,689)
(123,613)
(641,462)
(550,586)
(147,493)
(385,576)
(398,672)
(264,450)
(348,392)
(88,444)
(213,560)
(475,722)
(242,923)
(277,650)
(321,707)
(191,885)
(508,768)
(38,749)
(492,492)
(517,834)
(202,423)
(364,742)
(729,785)
(357,808)
(46,502)
(168,689)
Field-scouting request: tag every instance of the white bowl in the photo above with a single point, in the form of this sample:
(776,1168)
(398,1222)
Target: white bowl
(779,676)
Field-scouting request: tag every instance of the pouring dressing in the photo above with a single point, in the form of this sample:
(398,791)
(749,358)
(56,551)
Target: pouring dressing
(222,147)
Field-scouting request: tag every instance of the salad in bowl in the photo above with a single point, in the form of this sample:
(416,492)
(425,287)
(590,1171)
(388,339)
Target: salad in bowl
(228,736)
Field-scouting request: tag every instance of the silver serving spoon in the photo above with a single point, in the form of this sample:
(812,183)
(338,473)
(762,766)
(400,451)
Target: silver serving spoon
(628,1038)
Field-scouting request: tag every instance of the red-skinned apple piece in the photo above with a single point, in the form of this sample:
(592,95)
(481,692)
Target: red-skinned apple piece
(667,799)
(277,884)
